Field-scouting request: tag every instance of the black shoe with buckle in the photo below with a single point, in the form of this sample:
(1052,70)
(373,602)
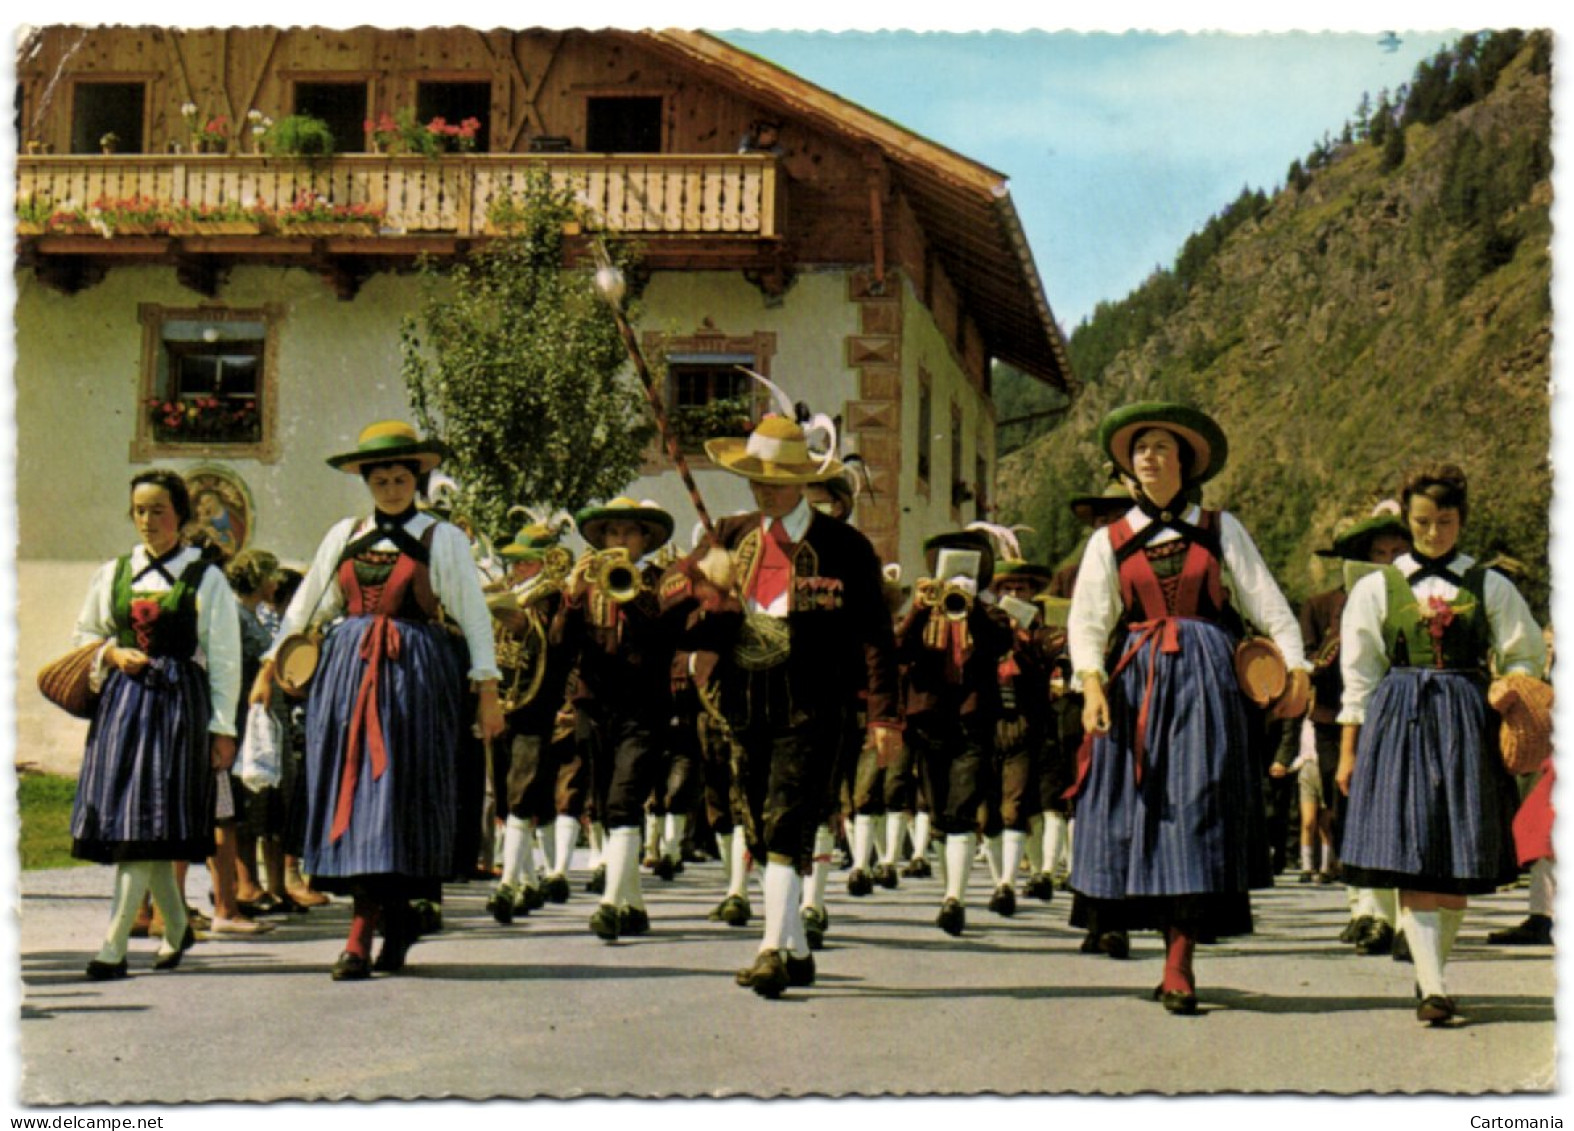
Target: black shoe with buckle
(859,883)
(665,869)
(1355,929)
(171,960)
(351,968)
(604,922)
(633,921)
(918,869)
(1041,886)
(107,971)
(952,918)
(1437,1009)
(1534,931)
(1179,1002)
(1090,943)
(597,884)
(885,876)
(556,888)
(767,977)
(1004,901)
(533,897)
(501,903)
(815,923)
(1378,939)
(800,971)
(733,911)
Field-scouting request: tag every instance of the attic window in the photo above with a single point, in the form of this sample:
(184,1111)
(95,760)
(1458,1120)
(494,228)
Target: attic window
(623,124)
(454,102)
(342,105)
(100,108)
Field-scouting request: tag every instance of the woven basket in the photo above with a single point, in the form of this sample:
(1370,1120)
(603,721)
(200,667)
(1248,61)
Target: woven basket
(1526,706)
(65,681)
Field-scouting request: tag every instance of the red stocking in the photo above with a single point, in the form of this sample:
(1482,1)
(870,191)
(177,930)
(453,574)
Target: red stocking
(362,926)
(1179,944)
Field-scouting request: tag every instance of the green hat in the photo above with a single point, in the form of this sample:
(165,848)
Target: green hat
(389,440)
(1355,544)
(1012,567)
(531,543)
(1115,499)
(656,522)
(964,540)
(1208,444)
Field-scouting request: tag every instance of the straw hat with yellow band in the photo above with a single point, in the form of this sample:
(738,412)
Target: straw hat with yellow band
(1016,569)
(777,451)
(387,441)
(656,522)
(1209,448)
(531,543)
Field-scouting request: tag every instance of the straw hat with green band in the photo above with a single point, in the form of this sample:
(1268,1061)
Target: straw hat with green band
(777,451)
(1114,500)
(656,522)
(531,543)
(1040,575)
(1355,544)
(1208,446)
(390,440)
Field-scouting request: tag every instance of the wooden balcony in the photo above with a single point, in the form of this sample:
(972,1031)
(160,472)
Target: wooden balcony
(639,195)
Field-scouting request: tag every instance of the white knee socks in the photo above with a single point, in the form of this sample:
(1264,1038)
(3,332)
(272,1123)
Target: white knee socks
(565,834)
(959,849)
(1057,842)
(783,893)
(621,856)
(895,831)
(992,854)
(673,828)
(738,874)
(863,836)
(824,846)
(516,850)
(1013,843)
(1424,931)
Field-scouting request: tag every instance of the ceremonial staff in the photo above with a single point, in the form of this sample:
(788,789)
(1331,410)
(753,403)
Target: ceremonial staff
(611,287)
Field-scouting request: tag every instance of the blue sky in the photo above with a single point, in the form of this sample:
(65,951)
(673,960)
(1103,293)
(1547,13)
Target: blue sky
(1117,146)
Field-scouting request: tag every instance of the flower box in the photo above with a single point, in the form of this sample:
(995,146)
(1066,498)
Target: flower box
(29,228)
(134,228)
(215,228)
(328,228)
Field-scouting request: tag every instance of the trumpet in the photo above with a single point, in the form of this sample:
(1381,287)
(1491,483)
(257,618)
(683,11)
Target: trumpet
(954,601)
(613,575)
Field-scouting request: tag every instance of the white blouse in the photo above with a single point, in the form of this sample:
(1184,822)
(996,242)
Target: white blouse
(1096,604)
(1517,643)
(218,625)
(454,581)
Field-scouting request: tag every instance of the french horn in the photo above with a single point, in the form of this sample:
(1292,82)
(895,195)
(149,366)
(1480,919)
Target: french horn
(519,630)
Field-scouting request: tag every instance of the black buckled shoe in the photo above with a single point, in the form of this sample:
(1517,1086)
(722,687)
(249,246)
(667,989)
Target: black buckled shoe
(171,959)
(351,968)
(800,971)
(604,922)
(1378,939)
(1437,1010)
(533,897)
(885,876)
(501,903)
(665,869)
(1534,931)
(918,868)
(767,977)
(597,884)
(859,883)
(1004,901)
(1090,943)
(1040,887)
(556,888)
(1179,1002)
(1355,929)
(733,911)
(106,971)
(815,924)
(952,918)
(633,921)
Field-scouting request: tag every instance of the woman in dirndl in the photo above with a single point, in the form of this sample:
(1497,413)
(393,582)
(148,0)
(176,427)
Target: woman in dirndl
(1431,804)
(1170,829)
(383,713)
(169,677)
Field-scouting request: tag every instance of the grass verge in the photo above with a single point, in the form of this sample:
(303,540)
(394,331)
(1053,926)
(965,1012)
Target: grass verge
(44,808)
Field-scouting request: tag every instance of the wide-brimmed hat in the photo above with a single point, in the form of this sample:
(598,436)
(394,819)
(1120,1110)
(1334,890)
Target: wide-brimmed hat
(1208,445)
(963,540)
(657,522)
(1040,575)
(531,542)
(777,451)
(389,440)
(1115,499)
(1355,543)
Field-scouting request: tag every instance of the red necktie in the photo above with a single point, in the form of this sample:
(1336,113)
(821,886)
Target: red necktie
(775,568)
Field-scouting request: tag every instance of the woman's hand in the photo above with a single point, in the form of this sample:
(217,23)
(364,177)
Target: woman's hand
(1292,704)
(262,686)
(489,712)
(1348,738)
(221,751)
(130,661)
(1095,707)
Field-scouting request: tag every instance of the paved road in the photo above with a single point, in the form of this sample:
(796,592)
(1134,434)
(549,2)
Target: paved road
(545,1009)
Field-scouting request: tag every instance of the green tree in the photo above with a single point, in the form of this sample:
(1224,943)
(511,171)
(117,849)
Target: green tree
(1393,150)
(517,364)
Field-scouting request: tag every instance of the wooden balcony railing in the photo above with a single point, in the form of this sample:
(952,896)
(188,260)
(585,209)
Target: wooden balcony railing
(651,195)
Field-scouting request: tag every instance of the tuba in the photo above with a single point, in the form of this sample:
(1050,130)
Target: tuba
(519,630)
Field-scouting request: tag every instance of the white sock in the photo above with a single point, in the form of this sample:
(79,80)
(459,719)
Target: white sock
(1306,857)
(920,835)
(783,890)
(622,846)
(630,889)
(863,833)
(652,834)
(992,855)
(1385,901)
(171,904)
(824,847)
(1355,900)
(516,850)
(1449,919)
(1328,856)
(565,834)
(1013,843)
(877,835)
(598,843)
(1424,931)
(724,850)
(895,831)
(542,839)
(131,881)
(738,877)
(1543,888)
(1057,840)
(959,849)
(673,829)
(1035,841)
